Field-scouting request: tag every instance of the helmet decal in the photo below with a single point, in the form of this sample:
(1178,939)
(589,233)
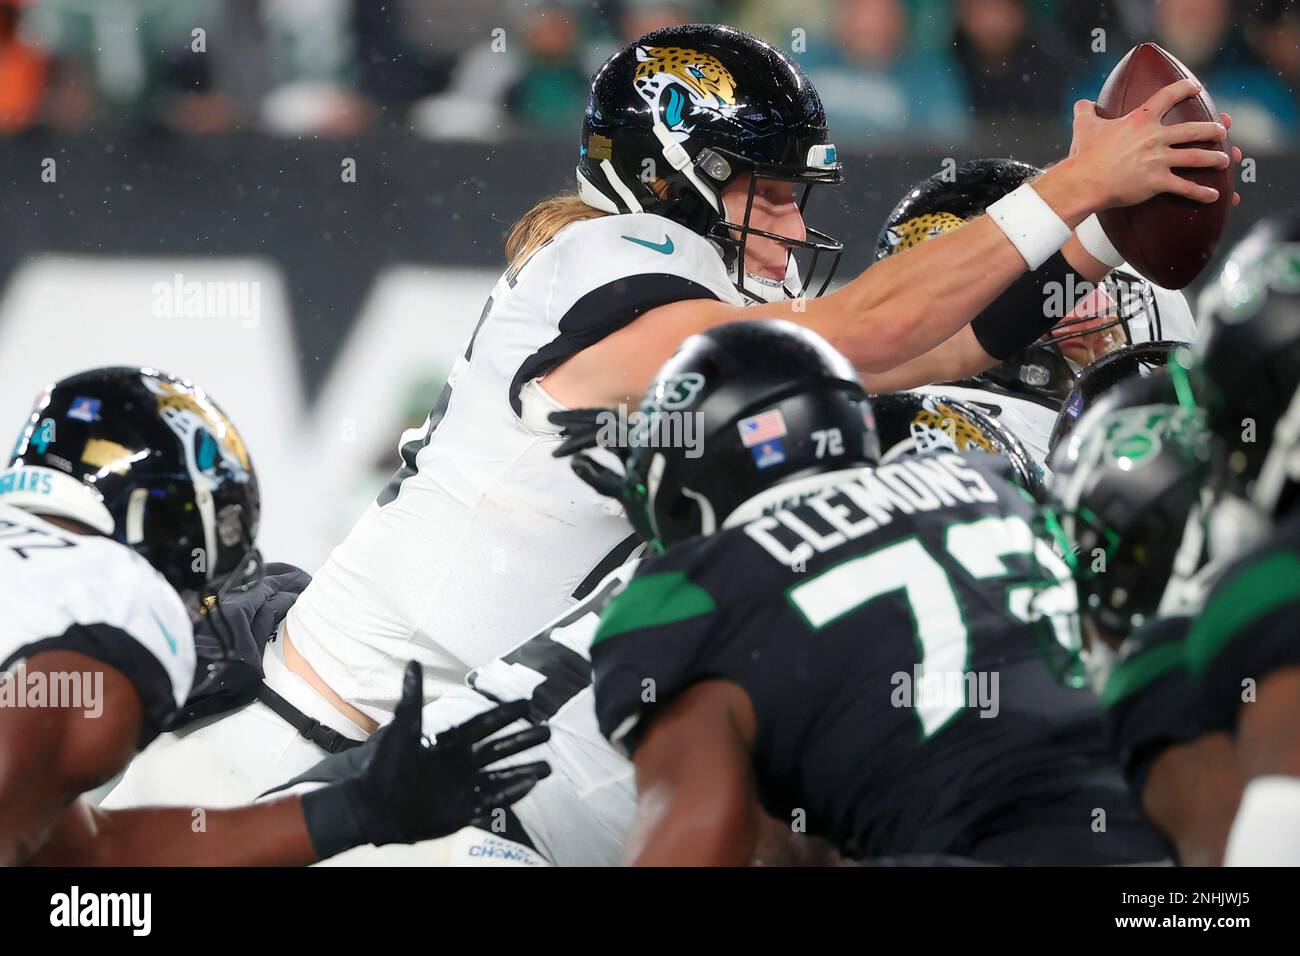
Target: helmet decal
(681,82)
(187,410)
(108,456)
(939,425)
(920,228)
(677,391)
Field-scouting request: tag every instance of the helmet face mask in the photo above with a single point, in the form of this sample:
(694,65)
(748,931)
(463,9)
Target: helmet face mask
(733,237)
(683,112)
(1122,303)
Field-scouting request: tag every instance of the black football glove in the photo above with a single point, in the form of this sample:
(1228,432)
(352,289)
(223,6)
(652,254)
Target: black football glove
(397,788)
(580,430)
(231,676)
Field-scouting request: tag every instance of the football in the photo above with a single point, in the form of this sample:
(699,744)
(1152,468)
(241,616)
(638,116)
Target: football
(1168,238)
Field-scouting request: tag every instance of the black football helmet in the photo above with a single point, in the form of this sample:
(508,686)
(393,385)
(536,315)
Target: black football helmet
(768,403)
(1247,368)
(148,460)
(910,423)
(677,115)
(1094,381)
(1040,373)
(1124,489)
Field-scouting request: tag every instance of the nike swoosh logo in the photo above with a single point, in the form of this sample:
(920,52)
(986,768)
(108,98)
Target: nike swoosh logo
(171,641)
(666,247)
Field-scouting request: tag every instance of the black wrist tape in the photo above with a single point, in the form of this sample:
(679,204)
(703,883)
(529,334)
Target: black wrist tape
(1018,317)
(331,823)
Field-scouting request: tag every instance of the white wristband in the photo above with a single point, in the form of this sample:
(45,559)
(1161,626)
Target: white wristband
(1096,243)
(1033,228)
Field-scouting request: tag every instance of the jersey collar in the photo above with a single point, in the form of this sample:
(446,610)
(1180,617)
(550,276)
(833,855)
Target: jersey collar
(787,494)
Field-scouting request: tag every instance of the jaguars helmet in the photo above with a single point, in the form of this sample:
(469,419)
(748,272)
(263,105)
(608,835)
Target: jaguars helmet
(909,423)
(1124,489)
(148,460)
(1123,309)
(676,116)
(736,411)
(1246,370)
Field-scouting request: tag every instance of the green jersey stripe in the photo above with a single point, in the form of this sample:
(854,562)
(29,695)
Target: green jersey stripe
(1270,583)
(1131,675)
(654,600)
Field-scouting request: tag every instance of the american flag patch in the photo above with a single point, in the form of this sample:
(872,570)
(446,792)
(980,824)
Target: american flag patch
(761,427)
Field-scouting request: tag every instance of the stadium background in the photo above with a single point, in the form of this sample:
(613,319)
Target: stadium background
(134,150)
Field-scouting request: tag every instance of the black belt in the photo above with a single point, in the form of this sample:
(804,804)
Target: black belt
(326,738)
(331,741)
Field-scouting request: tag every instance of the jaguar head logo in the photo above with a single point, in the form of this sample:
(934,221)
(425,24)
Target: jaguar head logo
(682,82)
(920,228)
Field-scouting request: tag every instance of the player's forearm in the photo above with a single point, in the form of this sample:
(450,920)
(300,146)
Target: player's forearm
(27,810)
(1191,795)
(269,834)
(693,831)
(906,305)
(34,788)
(959,357)
(900,317)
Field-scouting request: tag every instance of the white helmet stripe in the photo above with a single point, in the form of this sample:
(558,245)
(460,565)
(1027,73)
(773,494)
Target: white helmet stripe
(593,197)
(620,187)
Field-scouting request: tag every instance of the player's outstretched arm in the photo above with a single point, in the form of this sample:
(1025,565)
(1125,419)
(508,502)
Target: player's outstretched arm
(696,803)
(900,310)
(398,789)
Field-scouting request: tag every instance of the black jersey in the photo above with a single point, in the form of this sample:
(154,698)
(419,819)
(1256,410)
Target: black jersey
(890,633)
(1249,626)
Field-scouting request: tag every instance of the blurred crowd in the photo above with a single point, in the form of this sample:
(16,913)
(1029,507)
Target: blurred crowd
(914,70)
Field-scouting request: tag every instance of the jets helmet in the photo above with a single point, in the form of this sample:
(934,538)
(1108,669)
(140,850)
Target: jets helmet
(1124,486)
(1132,361)
(678,115)
(1247,368)
(737,410)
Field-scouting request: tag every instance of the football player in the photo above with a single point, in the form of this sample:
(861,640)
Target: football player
(1029,390)
(860,650)
(1244,649)
(128,513)
(698,150)
(1209,701)
(1127,489)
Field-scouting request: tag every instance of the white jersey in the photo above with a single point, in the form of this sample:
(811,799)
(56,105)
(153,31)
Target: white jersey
(482,535)
(1170,318)
(581,813)
(89,594)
